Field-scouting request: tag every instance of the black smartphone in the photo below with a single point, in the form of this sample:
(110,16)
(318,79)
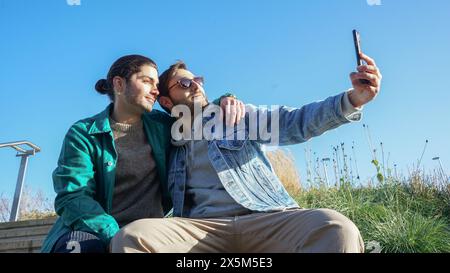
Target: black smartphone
(357,42)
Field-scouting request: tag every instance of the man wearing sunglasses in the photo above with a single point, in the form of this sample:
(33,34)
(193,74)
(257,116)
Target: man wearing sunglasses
(225,194)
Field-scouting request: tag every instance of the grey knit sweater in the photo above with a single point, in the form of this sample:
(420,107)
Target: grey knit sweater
(137,192)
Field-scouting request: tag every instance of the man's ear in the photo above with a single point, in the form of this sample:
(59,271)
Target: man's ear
(118,84)
(166,102)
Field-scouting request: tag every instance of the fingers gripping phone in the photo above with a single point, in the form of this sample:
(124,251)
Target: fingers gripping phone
(357,42)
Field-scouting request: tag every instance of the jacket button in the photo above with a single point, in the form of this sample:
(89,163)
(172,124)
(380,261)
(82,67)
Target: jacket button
(109,163)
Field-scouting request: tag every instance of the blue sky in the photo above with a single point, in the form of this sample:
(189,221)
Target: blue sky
(267,52)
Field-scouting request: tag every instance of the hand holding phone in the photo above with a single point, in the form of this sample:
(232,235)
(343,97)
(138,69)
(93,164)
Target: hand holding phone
(357,42)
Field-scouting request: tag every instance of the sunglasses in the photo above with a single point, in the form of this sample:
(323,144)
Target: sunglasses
(186,83)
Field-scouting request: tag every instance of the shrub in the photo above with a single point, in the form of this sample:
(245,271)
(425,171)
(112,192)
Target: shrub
(33,205)
(404,217)
(284,166)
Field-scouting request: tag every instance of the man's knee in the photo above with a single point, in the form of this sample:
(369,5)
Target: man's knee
(129,238)
(125,238)
(341,233)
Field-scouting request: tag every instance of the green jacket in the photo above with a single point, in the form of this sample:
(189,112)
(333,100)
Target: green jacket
(84,177)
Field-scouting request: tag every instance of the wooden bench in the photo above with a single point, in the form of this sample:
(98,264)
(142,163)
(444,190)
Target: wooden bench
(24,236)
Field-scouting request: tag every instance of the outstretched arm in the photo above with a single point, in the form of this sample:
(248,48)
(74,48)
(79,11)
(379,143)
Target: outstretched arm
(299,125)
(286,125)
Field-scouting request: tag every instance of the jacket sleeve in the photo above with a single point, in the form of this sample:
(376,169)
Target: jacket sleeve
(75,186)
(287,126)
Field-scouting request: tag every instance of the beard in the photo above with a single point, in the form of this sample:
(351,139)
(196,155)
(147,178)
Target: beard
(138,102)
(199,101)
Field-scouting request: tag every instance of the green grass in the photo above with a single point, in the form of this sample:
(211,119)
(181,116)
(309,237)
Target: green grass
(412,216)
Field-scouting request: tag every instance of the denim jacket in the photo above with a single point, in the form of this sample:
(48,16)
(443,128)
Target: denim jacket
(242,166)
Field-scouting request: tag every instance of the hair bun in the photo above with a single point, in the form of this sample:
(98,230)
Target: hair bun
(102,86)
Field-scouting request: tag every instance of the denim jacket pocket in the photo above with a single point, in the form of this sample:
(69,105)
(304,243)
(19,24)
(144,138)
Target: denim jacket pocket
(235,143)
(231,144)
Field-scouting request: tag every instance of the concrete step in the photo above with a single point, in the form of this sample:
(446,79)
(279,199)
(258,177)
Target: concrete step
(20,239)
(24,246)
(27,223)
(24,236)
(24,232)
(27,250)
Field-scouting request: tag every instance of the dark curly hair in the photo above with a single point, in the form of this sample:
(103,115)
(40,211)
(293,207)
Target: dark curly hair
(124,67)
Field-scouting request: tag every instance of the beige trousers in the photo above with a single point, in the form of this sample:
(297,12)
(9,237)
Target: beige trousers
(290,231)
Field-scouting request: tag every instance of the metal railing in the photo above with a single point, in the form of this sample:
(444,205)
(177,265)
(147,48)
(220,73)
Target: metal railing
(24,154)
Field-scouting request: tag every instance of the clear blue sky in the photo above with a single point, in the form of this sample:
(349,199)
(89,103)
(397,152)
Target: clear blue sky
(265,51)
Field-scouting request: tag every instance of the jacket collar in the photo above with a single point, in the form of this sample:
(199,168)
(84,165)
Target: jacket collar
(101,122)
